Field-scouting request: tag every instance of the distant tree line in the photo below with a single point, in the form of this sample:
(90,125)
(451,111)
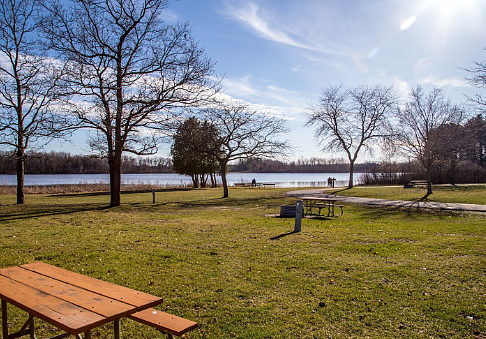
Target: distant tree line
(66,163)
(311,165)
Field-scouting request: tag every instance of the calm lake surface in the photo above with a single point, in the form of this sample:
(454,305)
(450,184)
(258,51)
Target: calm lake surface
(279,179)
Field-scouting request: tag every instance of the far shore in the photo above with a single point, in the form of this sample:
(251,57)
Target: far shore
(82,188)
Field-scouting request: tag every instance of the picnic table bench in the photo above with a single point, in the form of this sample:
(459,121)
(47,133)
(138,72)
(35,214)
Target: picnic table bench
(164,322)
(320,203)
(414,183)
(76,303)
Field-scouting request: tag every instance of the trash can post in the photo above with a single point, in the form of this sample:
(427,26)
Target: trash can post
(153,195)
(298,216)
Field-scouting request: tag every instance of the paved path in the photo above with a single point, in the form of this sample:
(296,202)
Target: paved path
(391,203)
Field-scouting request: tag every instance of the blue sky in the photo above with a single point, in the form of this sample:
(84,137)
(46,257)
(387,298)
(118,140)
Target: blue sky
(278,55)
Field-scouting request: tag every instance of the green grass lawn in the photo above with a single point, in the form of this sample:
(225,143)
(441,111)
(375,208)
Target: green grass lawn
(241,273)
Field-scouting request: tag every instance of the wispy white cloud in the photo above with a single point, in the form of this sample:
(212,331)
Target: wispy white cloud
(240,87)
(281,94)
(278,29)
(452,82)
(251,16)
(266,96)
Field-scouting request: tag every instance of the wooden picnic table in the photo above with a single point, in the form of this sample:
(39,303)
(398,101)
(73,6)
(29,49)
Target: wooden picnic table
(418,183)
(73,302)
(327,203)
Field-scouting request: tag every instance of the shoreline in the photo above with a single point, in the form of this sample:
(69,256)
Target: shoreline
(85,188)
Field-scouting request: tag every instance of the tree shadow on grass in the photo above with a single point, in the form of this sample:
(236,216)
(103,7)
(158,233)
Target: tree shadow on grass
(32,211)
(283,235)
(313,217)
(424,198)
(104,193)
(344,189)
(412,211)
(50,211)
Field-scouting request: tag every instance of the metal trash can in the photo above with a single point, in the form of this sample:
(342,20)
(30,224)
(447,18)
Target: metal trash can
(287,211)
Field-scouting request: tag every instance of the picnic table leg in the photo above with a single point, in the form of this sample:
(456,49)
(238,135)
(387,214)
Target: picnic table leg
(117,328)
(29,325)
(87,334)
(4,320)
(32,329)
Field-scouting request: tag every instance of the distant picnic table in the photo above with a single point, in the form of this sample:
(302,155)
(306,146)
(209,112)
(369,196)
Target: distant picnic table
(319,203)
(414,183)
(250,185)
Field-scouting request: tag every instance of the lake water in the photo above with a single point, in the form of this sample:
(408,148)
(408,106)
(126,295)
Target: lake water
(279,179)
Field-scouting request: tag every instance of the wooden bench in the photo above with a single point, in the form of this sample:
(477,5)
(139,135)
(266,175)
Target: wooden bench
(164,322)
(418,183)
(265,184)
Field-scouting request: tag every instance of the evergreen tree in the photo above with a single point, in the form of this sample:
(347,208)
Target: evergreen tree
(190,151)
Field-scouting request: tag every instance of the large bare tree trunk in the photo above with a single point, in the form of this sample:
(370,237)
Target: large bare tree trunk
(20,175)
(115,179)
(20,143)
(429,179)
(223,179)
(351,175)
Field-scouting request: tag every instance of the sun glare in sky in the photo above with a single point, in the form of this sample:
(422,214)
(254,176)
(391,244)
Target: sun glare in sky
(452,9)
(447,11)
(451,5)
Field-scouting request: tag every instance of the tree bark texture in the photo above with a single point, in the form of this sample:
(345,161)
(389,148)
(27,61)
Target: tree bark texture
(115,179)
(20,175)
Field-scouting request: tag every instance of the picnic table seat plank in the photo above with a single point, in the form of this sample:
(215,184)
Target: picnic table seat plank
(96,303)
(110,290)
(62,314)
(164,322)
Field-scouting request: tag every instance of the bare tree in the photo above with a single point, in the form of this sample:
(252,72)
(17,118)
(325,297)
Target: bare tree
(29,84)
(420,121)
(128,72)
(477,78)
(350,120)
(244,133)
